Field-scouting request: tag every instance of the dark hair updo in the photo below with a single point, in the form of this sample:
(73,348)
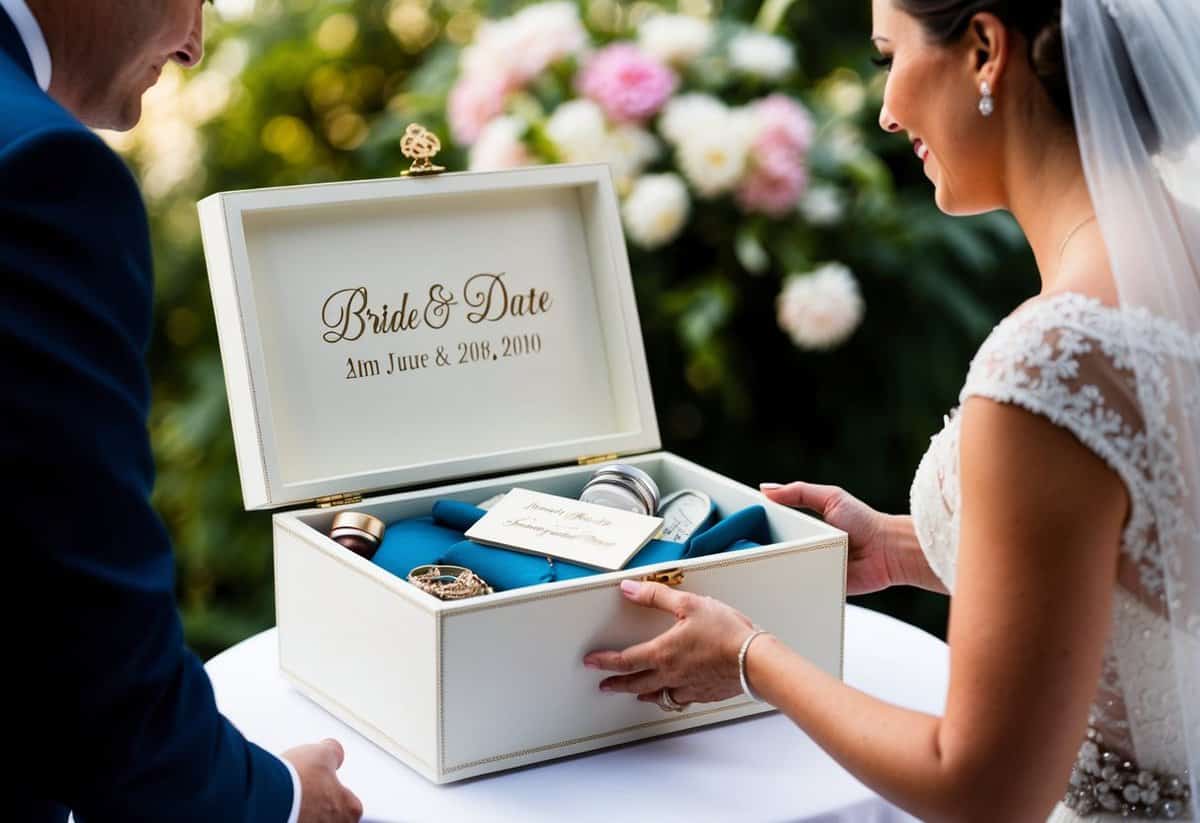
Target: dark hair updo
(1040,21)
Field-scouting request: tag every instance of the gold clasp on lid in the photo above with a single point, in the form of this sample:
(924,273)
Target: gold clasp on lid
(420,145)
(670,577)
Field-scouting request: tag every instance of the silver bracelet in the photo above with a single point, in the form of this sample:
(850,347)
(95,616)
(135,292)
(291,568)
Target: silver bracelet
(742,664)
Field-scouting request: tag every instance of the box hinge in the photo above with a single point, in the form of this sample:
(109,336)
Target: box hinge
(597,458)
(339,499)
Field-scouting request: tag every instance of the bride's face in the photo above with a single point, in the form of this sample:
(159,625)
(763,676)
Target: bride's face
(931,96)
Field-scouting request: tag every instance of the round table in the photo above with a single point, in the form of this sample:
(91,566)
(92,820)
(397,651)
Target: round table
(755,769)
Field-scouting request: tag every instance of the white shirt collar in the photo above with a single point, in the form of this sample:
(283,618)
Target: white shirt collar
(32,37)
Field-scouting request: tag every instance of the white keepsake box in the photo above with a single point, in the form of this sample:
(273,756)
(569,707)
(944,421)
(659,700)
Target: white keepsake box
(389,343)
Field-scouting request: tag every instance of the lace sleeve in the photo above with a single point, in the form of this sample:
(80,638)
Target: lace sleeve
(1065,358)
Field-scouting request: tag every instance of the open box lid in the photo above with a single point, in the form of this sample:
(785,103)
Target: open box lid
(390,333)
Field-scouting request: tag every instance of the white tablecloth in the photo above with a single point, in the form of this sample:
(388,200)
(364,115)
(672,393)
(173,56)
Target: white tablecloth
(756,769)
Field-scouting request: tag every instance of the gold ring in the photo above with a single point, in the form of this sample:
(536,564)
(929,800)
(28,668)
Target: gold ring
(666,702)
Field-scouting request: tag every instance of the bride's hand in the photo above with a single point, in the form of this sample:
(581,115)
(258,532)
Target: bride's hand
(697,658)
(870,568)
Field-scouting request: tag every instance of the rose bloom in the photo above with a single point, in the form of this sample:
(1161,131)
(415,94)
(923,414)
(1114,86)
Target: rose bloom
(628,84)
(778,174)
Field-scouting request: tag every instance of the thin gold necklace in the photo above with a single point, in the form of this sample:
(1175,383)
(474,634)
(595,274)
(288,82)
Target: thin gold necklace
(1062,249)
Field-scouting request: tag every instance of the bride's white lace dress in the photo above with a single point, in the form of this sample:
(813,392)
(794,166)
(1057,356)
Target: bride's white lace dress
(1066,357)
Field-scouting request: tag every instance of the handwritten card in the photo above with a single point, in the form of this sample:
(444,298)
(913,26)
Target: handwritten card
(545,524)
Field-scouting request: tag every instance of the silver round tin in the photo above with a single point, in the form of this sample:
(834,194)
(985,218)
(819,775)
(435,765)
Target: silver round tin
(621,486)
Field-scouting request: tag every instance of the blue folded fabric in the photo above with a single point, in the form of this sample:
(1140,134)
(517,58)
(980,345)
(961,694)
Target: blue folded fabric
(440,539)
(414,542)
(455,515)
(504,569)
(749,524)
(657,551)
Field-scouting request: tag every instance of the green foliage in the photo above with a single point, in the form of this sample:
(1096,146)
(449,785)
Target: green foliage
(320,91)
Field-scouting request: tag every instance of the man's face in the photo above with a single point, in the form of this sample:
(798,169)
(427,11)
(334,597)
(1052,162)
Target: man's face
(124,49)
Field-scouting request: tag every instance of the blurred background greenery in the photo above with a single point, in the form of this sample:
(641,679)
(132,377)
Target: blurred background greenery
(302,91)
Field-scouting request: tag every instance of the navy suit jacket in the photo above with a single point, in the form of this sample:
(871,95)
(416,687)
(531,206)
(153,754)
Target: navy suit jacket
(110,715)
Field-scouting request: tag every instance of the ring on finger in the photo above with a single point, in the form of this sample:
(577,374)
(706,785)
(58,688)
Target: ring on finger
(666,702)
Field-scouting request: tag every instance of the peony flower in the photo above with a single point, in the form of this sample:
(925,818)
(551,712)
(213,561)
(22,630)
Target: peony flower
(490,55)
(628,84)
(500,147)
(714,151)
(474,102)
(544,34)
(690,113)
(713,161)
(820,310)
(655,210)
(774,194)
(777,175)
(762,55)
(676,39)
(578,130)
(520,47)
(822,206)
(780,120)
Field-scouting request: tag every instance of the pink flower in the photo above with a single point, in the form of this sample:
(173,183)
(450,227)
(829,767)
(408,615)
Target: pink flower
(629,85)
(783,121)
(777,176)
(474,101)
(772,193)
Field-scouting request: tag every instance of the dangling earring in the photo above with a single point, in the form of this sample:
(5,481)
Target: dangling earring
(987,103)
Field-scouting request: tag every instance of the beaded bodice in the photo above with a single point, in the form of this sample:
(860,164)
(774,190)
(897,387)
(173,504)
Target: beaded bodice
(1067,358)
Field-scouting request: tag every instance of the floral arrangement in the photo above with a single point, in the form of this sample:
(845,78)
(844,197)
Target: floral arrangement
(692,117)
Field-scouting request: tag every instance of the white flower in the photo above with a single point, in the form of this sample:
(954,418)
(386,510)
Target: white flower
(712,164)
(822,205)
(845,93)
(630,149)
(688,113)
(546,33)
(675,38)
(763,55)
(714,155)
(490,52)
(578,130)
(820,310)
(499,146)
(655,210)
(522,46)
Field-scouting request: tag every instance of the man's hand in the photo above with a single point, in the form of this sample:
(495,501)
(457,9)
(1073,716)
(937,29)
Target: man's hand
(323,798)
